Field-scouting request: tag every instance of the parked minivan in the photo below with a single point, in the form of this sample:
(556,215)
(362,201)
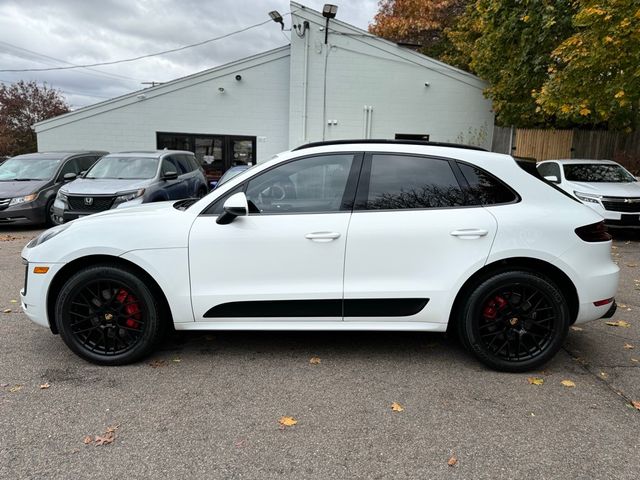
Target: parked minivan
(127,179)
(29,183)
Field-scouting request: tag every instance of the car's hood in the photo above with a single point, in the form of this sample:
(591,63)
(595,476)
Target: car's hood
(150,226)
(19,189)
(102,186)
(608,189)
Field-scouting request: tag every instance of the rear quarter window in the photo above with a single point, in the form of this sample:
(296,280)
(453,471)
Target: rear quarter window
(484,188)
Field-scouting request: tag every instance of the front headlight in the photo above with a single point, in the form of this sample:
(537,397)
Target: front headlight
(21,200)
(61,196)
(588,197)
(47,235)
(128,196)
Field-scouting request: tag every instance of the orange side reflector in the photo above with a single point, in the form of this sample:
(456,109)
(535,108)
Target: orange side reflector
(40,270)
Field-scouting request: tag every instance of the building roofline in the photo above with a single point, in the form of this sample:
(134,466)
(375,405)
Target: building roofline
(161,89)
(393,48)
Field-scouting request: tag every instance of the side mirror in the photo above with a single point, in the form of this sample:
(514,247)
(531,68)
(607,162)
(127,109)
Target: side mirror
(552,179)
(170,175)
(234,206)
(68,177)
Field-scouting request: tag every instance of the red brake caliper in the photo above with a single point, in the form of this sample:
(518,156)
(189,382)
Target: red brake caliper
(132,309)
(493,306)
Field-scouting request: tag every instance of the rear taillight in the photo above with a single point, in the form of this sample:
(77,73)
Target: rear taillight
(596,232)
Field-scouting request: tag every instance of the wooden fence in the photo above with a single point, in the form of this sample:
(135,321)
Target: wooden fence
(589,144)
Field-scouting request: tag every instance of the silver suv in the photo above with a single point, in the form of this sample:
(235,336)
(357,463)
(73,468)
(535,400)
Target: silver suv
(130,178)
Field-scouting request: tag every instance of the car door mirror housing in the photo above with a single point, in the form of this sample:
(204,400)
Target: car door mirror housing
(551,178)
(171,175)
(234,206)
(68,177)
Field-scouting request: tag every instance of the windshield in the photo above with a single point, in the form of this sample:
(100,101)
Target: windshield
(28,168)
(124,168)
(594,172)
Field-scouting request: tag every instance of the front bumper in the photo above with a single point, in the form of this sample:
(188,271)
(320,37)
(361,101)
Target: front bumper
(33,296)
(32,212)
(616,219)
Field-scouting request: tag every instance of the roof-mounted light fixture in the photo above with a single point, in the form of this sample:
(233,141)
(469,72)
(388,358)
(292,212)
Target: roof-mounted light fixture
(328,11)
(276,17)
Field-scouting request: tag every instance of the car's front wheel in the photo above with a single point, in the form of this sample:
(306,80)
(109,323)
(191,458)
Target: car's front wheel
(514,321)
(108,315)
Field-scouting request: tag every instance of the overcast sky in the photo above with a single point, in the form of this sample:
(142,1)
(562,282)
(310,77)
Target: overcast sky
(40,34)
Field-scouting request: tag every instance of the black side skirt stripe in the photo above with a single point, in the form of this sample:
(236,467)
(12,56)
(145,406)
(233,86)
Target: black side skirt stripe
(366,307)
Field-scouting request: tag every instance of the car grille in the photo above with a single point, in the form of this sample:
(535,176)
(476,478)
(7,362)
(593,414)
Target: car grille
(621,204)
(4,203)
(98,204)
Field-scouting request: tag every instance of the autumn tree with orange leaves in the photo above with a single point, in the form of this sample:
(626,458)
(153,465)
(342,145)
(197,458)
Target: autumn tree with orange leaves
(421,22)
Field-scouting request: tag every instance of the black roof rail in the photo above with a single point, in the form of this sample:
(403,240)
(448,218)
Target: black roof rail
(390,141)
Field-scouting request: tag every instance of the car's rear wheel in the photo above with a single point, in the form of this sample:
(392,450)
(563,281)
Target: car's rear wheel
(514,321)
(108,315)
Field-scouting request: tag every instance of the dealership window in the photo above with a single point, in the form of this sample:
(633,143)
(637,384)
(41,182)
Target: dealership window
(216,153)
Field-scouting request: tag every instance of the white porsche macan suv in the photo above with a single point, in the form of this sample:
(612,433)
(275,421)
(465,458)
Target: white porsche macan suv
(359,235)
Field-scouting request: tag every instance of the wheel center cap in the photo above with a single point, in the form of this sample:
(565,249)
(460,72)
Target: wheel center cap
(514,321)
(108,317)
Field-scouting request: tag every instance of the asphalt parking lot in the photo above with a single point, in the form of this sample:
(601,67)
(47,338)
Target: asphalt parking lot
(208,405)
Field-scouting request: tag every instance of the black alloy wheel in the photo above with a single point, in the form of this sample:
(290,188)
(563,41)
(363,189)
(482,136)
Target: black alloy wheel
(108,315)
(514,321)
(50,217)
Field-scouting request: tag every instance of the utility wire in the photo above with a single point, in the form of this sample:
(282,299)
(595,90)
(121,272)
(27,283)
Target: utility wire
(58,60)
(164,52)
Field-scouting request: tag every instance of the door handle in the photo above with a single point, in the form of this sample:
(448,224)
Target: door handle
(469,233)
(322,236)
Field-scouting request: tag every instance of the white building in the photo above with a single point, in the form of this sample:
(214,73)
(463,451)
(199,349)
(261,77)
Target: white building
(354,86)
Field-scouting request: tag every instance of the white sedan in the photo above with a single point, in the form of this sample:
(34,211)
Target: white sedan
(605,186)
(367,235)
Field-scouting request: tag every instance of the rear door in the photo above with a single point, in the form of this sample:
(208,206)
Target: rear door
(415,232)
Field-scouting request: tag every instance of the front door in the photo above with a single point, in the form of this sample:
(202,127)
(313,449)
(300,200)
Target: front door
(412,238)
(285,260)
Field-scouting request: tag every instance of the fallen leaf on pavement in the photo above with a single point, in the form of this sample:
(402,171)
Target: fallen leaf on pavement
(87,440)
(603,374)
(6,310)
(287,421)
(13,301)
(619,323)
(314,360)
(576,329)
(632,265)
(112,428)
(44,386)
(535,380)
(452,462)
(396,407)
(105,439)
(636,404)
(628,346)
(15,388)
(7,238)
(635,360)
(158,363)
(176,360)
(568,383)
(622,305)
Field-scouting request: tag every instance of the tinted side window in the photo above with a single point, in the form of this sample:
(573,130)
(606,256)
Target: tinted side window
(184,163)
(484,187)
(309,185)
(168,165)
(405,182)
(216,207)
(71,166)
(549,169)
(85,163)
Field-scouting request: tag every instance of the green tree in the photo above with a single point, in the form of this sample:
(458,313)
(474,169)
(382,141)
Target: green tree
(421,22)
(21,105)
(594,76)
(508,43)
